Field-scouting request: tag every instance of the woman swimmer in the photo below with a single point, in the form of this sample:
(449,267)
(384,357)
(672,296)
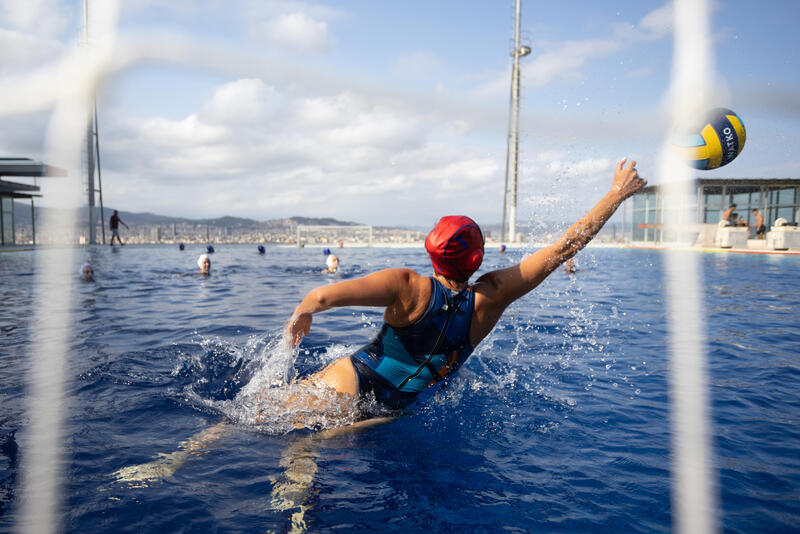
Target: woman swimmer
(432,324)
(331,263)
(204,262)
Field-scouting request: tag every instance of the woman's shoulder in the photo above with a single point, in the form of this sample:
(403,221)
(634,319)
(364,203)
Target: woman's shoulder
(402,273)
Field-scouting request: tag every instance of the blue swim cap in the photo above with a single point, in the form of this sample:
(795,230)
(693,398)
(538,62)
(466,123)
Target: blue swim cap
(181,246)
(502,248)
(210,249)
(326,251)
(260,249)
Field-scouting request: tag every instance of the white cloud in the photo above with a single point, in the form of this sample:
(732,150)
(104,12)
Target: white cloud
(566,60)
(659,22)
(263,9)
(320,156)
(378,187)
(45,18)
(377,126)
(297,31)
(180,134)
(323,112)
(469,172)
(29,33)
(243,101)
(553,61)
(21,51)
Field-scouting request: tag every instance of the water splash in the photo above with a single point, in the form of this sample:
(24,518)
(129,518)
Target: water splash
(257,386)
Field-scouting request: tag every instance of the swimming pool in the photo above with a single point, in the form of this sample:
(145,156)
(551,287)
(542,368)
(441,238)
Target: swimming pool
(559,421)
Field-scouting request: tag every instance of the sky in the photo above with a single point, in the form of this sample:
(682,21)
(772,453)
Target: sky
(386,113)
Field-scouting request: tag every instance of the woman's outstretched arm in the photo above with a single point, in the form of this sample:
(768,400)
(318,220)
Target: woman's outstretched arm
(399,290)
(502,287)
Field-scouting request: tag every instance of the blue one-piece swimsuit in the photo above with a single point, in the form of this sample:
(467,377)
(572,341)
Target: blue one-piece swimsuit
(397,365)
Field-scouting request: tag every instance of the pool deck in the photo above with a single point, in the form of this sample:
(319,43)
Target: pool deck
(16,248)
(708,249)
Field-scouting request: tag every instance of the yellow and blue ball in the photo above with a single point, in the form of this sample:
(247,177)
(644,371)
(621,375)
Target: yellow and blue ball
(716,143)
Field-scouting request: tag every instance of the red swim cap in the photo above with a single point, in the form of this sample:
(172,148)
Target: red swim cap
(456,247)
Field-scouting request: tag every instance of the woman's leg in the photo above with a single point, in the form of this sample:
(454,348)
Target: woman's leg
(340,375)
(167,464)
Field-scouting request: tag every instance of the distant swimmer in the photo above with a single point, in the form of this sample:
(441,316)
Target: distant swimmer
(113,224)
(261,249)
(727,215)
(502,248)
(432,324)
(87,272)
(332,263)
(569,266)
(181,246)
(204,262)
(761,230)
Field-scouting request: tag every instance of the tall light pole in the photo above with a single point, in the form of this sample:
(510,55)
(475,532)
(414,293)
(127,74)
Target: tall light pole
(89,140)
(92,149)
(510,206)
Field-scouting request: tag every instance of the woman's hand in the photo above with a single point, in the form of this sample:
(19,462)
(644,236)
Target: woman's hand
(299,326)
(626,179)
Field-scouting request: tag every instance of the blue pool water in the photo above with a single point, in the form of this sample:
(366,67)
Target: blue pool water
(559,422)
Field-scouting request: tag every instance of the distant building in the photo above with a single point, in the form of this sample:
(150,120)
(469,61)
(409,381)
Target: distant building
(20,167)
(774,198)
(155,234)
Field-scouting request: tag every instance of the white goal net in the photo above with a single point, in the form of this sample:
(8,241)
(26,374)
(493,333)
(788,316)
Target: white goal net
(308,234)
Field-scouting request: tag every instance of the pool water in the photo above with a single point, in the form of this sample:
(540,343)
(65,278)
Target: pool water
(559,422)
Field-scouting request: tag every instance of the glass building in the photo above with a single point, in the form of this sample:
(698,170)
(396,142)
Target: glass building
(773,198)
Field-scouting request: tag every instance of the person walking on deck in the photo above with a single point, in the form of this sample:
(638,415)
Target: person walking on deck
(113,225)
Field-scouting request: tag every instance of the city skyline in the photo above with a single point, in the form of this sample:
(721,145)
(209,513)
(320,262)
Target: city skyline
(152,228)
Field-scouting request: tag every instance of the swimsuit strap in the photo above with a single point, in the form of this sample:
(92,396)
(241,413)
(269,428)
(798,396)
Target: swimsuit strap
(451,308)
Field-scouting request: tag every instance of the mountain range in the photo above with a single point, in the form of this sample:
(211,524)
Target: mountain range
(22,216)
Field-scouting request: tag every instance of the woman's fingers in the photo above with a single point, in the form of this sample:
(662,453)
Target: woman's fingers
(299,326)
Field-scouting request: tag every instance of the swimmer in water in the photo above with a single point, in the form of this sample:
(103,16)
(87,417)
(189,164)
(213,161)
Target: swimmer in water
(332,263)
(87,272)
(432,324)
(204,262)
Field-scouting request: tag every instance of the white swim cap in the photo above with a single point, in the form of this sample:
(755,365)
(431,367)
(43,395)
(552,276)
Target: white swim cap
(85,265)
(201,259)
(329,260)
